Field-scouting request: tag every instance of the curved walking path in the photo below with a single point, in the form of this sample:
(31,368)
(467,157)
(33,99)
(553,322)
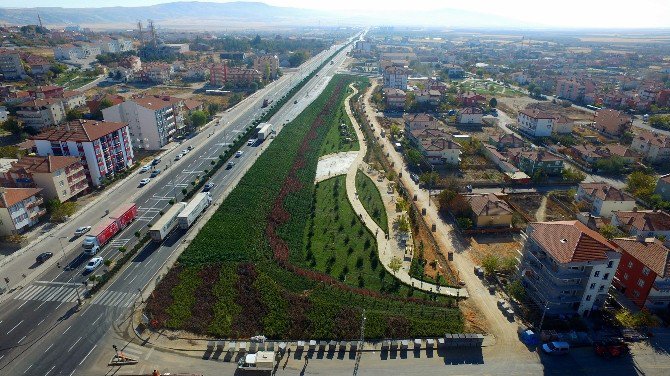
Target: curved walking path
(387,248)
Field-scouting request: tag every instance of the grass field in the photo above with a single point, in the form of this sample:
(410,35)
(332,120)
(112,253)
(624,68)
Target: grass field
(247,271)
(489,88)
(371,200)
(340,138)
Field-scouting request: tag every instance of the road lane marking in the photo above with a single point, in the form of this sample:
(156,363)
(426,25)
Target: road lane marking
(57,283)
(68,328)
(24,303)
(12,329)
(74,344)
(73,372)
(96,320)
(38,324)
(27,368)
(49,371)
(22,338)
(89,353)
(48,348)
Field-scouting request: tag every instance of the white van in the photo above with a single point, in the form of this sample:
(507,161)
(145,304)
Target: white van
(556,348)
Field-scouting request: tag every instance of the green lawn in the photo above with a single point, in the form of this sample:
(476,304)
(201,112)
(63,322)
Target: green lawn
(371,200)
(340,139)
(484,87)
(73,79)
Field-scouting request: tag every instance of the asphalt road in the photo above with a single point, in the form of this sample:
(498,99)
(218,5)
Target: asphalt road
(40,331)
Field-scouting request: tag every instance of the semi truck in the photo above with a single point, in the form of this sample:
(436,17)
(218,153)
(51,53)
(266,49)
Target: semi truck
(102,232)
(160,230)
(193,209)
(264,130)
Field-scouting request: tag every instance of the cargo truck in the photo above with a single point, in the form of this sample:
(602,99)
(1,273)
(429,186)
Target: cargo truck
(101,233)
(164,226)
(264,130)
(193,209)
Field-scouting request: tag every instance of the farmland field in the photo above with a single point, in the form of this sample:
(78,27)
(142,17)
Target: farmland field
(247,271)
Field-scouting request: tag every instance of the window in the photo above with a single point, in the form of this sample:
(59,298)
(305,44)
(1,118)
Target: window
(601,289)
(636,293)
(640,282)
(625,276)
(610,264)
(597,274)
(607,275)
(588,298)
(646,271)
(593,285)
(630,265)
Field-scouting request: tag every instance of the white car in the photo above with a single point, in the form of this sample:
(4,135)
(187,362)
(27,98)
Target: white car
(145,168)
(144,181)
(238,154)
(82,230)
(93,264)
(184,152)
(178,157)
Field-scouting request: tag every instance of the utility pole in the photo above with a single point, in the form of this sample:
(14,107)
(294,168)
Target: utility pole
(360,350)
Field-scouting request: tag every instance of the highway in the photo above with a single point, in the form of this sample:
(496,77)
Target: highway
(41,333)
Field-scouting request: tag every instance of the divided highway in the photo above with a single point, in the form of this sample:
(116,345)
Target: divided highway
(41,333)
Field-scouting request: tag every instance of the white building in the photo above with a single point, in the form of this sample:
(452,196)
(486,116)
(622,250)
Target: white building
(10,65)
(396,78)
(605,199)
(470,115)
(535,122)
(104,147)
(153,120)
(654,146)
(19,209)
(41,113)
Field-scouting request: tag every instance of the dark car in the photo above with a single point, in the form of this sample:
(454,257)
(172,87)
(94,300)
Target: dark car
(155,173)
(43,257)
(208,187)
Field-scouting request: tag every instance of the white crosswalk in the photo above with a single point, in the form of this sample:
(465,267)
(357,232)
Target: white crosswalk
(114,298)
(118,242)
(48,293)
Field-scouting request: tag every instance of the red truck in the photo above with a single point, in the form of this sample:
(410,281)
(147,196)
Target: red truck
(108,227)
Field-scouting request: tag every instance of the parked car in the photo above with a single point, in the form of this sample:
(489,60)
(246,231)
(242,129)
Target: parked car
(82,230)
(144,181)
(238,153)
(415,178)
(155,173)
(185,151)
(42,257)
(190,147)
(178,157)
(155,161)
(230,164)
(208,187)
(610,348)
(556,348)
(145,168)
(93,264)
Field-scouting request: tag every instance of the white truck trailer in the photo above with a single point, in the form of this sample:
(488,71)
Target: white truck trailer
(193,209)
(264,130)
(160,230)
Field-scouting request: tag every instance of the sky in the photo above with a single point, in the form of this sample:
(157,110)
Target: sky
(561,13)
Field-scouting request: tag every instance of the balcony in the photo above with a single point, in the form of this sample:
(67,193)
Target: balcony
(538,258)
(37,213)
(36,202)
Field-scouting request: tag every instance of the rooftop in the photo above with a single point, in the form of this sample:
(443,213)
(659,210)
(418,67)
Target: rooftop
(650,252)
(605,192)
(644,220)
(570,241)
(11,196)
(488,204)
(38,164)
(79,130)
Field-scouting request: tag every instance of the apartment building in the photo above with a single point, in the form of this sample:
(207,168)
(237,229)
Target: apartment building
(103,147)
(153,120)
(267,65)
(395,98)
(41,113)
(643,223)
(643,275)
(663,187)
(532,161)
(436,145)
(20,209)
(420,121)
(75,51)
(59,177)
(570,89)
(653,146)
(612,122)
(604,199)
(535,122)
(470,115)
(10,65)
(396,78)
(221,74)
(567,267)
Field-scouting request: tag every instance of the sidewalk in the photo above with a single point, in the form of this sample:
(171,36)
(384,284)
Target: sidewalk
(388,248)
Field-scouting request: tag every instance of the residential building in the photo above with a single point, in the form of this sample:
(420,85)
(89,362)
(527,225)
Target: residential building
(604,199)
(533,161)
(504,141)
(41,113)
(653,146)
(420,121)
(434,84)
(221,74)
(471,99)
(59,177)
(436,145)
(395,98)
(431,97)
(592,153)
(46,92)
(644,223)
(153,120)
(489,211)
(20,209)
(612,122)
(81,50)
(11,67)
(663,187)
(562,125)
(396,77)
(535,122)
(37,65)
(73,99)
(111,99)
(268,66)
(643,275)
(454,71)
(567,267)
(103,147)
(191,105)
(156,72)
(470,115)
(570,89)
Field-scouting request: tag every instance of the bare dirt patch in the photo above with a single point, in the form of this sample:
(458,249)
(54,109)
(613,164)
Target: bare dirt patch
(500,245)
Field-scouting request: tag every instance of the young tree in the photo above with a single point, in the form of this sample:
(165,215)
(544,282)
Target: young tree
(198,118)
(610,232)
(73,115)
(641,184)
(490,263)
(395,264)
(12,126)
(493,103)
(516,290)
(464,223)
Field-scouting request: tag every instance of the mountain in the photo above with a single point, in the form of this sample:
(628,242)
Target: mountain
(199,15)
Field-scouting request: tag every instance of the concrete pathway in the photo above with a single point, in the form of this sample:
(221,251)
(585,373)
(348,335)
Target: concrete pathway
(388,248)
